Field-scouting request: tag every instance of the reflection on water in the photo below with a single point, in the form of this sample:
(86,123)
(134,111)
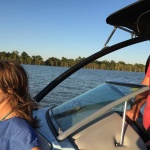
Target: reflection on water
(79,82)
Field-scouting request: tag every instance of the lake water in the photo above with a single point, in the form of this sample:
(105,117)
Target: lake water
(79,82)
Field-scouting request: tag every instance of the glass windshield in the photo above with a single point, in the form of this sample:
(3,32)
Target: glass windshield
(75,110)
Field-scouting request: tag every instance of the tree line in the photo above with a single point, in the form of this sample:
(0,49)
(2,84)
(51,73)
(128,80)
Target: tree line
(24,58)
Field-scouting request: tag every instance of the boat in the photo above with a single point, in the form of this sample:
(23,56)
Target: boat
(96,119)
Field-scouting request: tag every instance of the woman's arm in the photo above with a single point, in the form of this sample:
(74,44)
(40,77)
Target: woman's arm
(36,148)
(139,102)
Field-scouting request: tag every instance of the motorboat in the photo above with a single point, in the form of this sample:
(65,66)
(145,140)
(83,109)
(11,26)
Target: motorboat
(96,119)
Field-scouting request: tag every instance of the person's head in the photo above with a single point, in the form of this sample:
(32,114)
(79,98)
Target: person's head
(14,83)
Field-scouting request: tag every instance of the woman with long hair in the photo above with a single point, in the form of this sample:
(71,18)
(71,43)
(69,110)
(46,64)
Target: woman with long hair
(16,106)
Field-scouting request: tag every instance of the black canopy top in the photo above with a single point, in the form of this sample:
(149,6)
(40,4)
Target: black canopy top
(135,17)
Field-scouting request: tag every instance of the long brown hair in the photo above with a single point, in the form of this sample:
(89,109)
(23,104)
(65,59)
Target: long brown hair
(14,83)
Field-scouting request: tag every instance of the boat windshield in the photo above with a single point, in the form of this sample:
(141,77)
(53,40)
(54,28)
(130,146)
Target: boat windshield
(77,109)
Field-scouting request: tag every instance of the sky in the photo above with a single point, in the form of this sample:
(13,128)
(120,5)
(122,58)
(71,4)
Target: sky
(64,28)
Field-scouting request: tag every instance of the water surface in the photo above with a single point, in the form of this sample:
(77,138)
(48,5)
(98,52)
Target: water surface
(79,82)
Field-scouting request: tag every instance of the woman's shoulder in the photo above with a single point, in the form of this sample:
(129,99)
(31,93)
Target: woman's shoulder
(19,125)
(19,132)
(17,121)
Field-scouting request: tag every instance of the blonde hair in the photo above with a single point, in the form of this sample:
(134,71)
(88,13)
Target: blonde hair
(14,83)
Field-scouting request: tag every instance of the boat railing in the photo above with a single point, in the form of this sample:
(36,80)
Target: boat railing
(123,124)
(102,111)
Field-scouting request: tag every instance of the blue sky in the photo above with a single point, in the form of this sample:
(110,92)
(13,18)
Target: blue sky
(64,28)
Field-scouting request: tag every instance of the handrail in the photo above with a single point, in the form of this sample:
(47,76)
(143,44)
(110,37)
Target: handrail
(123,123)
(99,113)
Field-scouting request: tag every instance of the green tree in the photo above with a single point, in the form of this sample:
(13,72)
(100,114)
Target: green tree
(24,58)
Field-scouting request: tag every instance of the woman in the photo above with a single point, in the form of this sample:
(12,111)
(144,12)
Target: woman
(141,99)
(16,106)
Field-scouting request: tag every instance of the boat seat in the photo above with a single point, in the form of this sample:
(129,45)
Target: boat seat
(105,134)
(45,144)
